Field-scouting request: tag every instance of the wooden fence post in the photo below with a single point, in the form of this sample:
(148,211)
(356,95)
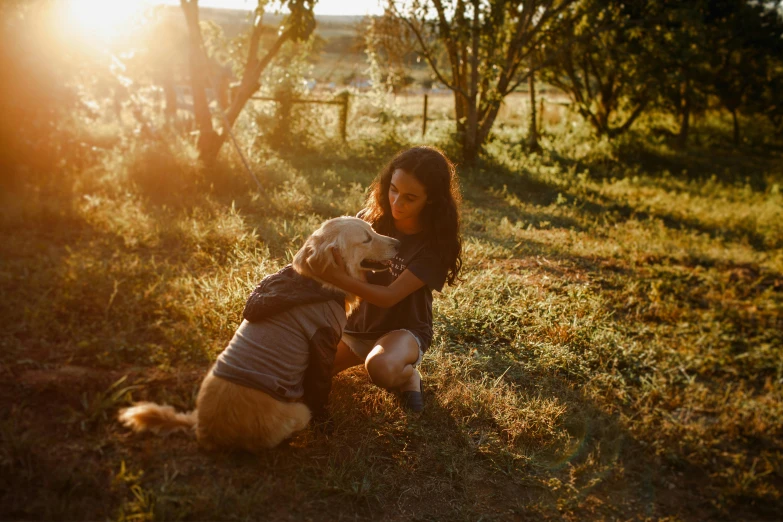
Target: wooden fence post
(344,114)
(424,122)
(285,101)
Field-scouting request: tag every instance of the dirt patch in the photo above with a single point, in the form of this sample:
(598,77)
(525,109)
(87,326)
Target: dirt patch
(540,269)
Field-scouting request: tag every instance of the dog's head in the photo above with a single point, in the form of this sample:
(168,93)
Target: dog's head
(361,248)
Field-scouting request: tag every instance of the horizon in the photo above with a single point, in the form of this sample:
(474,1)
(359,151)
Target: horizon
(322,7)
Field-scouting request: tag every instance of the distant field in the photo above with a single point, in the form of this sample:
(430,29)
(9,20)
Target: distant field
(515,108)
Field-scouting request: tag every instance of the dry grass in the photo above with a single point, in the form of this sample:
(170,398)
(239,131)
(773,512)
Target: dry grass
(613,353)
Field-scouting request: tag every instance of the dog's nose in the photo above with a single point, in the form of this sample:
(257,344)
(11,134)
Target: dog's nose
(396,243)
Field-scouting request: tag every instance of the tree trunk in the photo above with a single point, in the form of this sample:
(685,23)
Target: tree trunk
(459,116)
(685,120)
(207,137)
(614,132)
(210,142)
(470,144)
(602,116)
(532,133)
(470,148)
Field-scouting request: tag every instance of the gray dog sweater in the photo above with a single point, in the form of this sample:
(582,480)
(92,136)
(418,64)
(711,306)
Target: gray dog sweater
(285,345)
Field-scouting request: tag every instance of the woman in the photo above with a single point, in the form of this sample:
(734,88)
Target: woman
(415,199)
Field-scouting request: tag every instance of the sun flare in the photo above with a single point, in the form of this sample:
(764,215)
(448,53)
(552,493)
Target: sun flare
(101,20)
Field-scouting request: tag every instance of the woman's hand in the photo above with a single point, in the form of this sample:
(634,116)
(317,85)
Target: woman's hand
(338,271)
(338,260)
(382,296)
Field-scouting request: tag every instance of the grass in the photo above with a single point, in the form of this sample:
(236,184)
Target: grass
(614,351)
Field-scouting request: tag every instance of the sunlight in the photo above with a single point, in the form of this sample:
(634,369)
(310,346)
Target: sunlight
(99,19)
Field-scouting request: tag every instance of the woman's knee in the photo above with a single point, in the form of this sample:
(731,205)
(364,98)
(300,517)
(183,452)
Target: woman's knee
(387,372)
(390,364)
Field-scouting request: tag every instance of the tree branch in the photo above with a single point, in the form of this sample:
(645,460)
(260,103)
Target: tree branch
(255,36)
(428,55)
(249,84)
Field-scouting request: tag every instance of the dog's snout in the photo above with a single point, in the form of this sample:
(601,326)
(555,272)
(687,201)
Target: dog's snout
(396,244)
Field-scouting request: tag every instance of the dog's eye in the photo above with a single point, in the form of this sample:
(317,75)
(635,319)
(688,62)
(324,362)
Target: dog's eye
(369,238)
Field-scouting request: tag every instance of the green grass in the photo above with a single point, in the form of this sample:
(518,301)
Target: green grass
(614,351)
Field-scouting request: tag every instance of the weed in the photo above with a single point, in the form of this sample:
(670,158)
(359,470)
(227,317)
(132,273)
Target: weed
(96,407)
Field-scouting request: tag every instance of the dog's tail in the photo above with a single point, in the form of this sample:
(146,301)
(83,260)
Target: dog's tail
(148,416)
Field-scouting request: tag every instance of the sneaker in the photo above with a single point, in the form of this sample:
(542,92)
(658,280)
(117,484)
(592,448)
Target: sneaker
(413,401)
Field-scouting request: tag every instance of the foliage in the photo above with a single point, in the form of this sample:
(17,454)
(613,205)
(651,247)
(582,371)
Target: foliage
(671,54)
(383,85)
(605,67)
(293,123)
(613,353)
(748,43)
(487,46)
(36,93)
(297,25)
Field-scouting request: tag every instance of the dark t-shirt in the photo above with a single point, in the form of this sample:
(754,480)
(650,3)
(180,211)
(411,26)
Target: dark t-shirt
(414,312)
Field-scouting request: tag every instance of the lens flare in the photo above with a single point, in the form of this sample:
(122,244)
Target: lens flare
(100,21)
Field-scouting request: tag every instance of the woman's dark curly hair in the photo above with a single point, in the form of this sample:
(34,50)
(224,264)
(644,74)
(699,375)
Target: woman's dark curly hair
(440,216)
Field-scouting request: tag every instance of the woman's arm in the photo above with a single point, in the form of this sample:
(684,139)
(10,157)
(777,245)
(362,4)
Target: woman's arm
(382,296)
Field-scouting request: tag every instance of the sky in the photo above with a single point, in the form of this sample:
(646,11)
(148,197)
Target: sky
(322,7)
(101,20)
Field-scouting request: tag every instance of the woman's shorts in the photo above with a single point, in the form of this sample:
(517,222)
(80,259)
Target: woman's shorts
(362,347)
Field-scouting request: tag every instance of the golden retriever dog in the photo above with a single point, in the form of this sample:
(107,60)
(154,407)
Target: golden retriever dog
(233,414)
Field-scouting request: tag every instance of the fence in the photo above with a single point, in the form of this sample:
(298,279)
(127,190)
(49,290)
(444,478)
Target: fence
(342,100)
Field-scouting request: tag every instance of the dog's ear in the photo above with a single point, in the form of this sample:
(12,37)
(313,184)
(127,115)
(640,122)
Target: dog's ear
(320,256)
(315,254)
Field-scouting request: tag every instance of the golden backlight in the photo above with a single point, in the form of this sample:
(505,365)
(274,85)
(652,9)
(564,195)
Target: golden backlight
(100,21)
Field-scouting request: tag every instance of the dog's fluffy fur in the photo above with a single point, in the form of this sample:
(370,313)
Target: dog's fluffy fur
(231,416)
(359,245)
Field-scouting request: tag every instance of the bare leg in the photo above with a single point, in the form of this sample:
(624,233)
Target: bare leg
(344,359)
(390,363)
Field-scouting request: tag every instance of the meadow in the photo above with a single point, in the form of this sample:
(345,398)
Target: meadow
(612,353)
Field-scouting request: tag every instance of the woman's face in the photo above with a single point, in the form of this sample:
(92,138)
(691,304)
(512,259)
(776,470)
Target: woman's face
(407,196)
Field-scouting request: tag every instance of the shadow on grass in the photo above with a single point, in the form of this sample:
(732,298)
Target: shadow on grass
(496,175)
(604,206)
(598,460)
(499,178)
(698,164)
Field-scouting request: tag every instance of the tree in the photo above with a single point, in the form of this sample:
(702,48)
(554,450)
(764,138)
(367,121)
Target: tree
(679,61)
(767,98)
(605,69)
(389,51)
(671,54)
(532,133)
(298,25)
(487,46)
(747,41)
